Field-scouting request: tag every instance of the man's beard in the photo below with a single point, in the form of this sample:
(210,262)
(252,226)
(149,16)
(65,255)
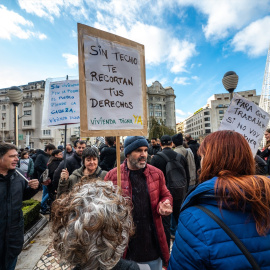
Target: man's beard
(135,162)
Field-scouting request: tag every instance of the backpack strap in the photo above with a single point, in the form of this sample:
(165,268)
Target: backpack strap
(186,154)
(164,156)
(230,233)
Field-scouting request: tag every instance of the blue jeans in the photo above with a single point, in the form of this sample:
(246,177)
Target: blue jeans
(12,264)
(154,265)
(45,197)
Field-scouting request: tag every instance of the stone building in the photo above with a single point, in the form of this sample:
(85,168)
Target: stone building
(161,104)
(208,118)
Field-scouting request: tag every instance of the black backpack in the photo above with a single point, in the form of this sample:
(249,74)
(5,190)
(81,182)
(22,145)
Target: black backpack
(176,179)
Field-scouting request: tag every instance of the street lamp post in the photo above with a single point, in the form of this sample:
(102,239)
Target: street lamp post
(230,81)
(15,95)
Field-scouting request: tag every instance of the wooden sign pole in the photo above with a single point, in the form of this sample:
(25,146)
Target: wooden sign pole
(118,161)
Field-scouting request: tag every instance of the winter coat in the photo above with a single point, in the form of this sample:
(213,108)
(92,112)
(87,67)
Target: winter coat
(194,146)
(154,149)
(107,158)
(52,166)
(13,190)
(191,162)
(200,243)
(41,163)
(266,154)
(158,192)
(30,170)
(75,177)
(72,163)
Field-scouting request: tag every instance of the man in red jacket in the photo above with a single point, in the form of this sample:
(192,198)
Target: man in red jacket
(151,199)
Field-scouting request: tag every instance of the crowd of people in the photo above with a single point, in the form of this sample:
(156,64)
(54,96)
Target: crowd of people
(205,199)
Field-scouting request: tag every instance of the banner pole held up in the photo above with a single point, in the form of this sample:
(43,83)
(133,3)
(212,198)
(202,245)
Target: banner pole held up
(65,143)
(118,161)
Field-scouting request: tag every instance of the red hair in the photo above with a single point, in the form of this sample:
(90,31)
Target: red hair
(227,155)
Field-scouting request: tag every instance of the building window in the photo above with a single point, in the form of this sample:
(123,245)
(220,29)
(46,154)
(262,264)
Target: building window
(158,114)
(27,123)
(207,119)
(221,111)
(226,98)
(151,106)
(219,98)
(151,113)
(208,131)
(28,132)
(221,117)
(4,115)
(31,145)
(207,113)
(157,98)
(27,104)
(220,105)
(158,107)
(251,95)
(207,125)
(151,98)
(28,112)
(4,107)
(3,125)
(47,132)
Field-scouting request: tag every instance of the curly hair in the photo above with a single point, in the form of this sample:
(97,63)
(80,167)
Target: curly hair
(92,225)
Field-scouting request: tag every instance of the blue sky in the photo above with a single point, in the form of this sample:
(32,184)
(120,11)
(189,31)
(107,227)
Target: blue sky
(189,44)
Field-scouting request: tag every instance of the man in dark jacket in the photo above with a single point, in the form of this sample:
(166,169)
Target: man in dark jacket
(159,162)
(155,147)
(108,154)
(13,190)
(194,146)
(40,166)
(72,163)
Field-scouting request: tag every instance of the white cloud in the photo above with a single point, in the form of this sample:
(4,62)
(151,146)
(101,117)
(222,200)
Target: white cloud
(53,8)
(254,39)
(181,80)
(196,78)
(72,60)
(13,24)
(225,16)
(180,112)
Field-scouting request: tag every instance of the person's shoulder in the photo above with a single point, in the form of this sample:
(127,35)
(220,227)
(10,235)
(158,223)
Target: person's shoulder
(152,169)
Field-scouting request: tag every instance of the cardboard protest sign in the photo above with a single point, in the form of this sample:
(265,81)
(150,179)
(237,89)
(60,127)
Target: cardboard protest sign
(246,118)
(112,84)
(64,103)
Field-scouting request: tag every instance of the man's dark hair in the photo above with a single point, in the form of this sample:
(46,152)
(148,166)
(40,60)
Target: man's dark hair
(110,140)
(56,152)
(89,152)
(154,139)
(79,142)
(49,147)
(5,147)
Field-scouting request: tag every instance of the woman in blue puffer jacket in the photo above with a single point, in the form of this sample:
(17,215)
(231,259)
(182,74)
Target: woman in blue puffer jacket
(228,188)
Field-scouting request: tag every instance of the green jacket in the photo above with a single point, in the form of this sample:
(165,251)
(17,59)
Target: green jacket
(66,185)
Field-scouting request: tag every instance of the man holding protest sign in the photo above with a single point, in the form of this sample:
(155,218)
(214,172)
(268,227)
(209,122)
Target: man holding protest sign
(13,190)
(151,199)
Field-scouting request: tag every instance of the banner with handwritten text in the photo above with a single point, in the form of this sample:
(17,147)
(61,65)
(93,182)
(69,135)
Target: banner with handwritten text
(246,118)
(64,103)
(113,85)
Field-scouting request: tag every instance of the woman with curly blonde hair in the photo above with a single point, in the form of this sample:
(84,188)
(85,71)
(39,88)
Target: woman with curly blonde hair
(230,192)
(92,226)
